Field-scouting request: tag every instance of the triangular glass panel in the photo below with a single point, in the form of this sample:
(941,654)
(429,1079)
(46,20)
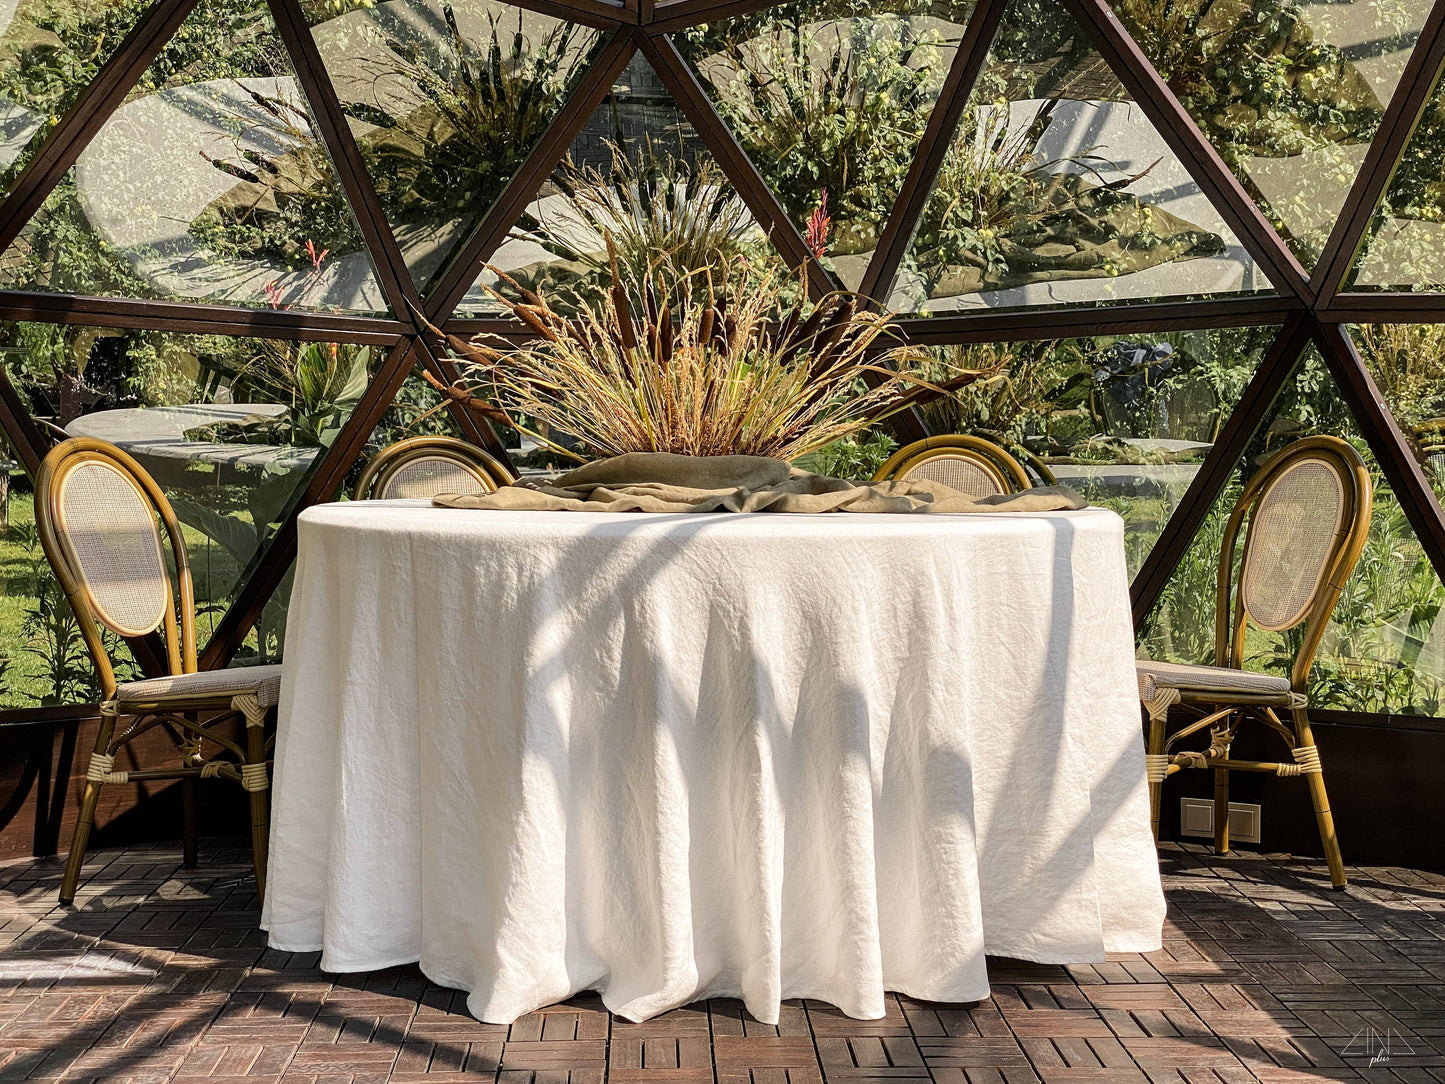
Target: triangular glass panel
(416,410)
(1384,648)
(1289,94)
(232,429)
(210,183)
(830,108)
(1404,359)
(1404,248)
(1057,190)
(446,100)
(639,171)
(49,53)
(1125,420)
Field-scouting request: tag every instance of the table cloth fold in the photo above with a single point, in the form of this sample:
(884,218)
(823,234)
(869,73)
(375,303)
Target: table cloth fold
(669,757)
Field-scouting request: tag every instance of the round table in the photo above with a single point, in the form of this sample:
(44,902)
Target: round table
(669,757)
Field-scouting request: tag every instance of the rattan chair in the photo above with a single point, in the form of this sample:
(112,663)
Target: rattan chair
(1308,510)
(423,467)
(968,464)
(101,518)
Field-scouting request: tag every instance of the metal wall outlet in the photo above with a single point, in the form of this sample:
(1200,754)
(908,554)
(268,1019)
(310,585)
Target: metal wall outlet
(1196,818)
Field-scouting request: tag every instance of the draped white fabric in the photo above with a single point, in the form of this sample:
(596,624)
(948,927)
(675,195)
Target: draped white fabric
(669,757)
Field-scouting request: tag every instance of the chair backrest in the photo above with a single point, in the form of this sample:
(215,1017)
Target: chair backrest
(422,467)
(101,520)
(968,464)
(1308,510)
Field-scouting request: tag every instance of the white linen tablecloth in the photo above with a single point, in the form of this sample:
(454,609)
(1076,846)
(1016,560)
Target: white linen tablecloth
(670,757)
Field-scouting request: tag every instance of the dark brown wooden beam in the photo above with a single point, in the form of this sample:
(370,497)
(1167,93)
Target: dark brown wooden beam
(687,90)
(323,485)
(196,319)
(933,148)
(670,15)
(1363,308)
(991,325)
(50,715)
(451,285)
(386,256)
(1381,432)
(1177,128)
(1417,82)
(1218,465)
(84,119)
(22,433)
(598,14)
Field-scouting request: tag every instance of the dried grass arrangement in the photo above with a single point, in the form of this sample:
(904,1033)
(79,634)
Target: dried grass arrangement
(694,363)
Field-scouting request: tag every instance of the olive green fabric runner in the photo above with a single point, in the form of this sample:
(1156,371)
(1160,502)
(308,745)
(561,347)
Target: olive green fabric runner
(662,482)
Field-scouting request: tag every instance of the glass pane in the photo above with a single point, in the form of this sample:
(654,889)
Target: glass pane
(638,171)
(412,413)
(1408,364)
(231,429)
(1126,421)
(1057,190)
(1384,648)
(1289,94)
(1404,248)
(830,107)
(446,100)
(209,183)
(49,51)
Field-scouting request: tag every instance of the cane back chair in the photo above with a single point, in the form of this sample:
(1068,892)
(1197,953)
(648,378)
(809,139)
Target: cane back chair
(101,518)
(968,464)
(427,466)
(1308,510)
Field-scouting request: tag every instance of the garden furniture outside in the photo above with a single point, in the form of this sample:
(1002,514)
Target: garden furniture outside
(677,756)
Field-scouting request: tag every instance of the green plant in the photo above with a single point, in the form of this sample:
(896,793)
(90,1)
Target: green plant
(1002,214)
(460,114)
(857,457)
(831,107)
(279,196)
(655,207)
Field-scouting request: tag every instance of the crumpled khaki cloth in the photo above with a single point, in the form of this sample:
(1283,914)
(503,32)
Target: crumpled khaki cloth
(663,482)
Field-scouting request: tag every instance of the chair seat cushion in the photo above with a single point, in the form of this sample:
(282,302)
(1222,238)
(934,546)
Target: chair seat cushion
(264,681)
(1211,679)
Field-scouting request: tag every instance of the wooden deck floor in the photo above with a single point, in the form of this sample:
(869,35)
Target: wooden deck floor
(161,975)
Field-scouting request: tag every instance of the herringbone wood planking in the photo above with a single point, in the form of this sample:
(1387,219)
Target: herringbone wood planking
(1265,976)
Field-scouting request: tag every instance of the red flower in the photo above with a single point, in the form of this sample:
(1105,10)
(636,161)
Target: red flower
(316,259)
(272,290)
(819,223)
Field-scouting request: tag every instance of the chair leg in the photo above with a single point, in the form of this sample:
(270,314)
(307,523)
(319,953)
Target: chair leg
(260,812)
(1156,785)
(1314,777)
(188,823)
(1221,810)
(188,810)
(78,841)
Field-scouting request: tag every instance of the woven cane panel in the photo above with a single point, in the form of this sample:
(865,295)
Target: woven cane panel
(111,532)
(957,472)
(1291,538)
(427,476)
